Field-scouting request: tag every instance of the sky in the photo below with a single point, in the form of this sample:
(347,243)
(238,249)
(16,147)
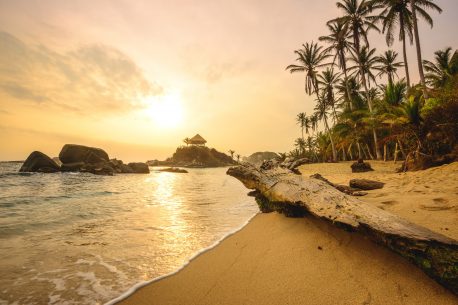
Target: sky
(137,77)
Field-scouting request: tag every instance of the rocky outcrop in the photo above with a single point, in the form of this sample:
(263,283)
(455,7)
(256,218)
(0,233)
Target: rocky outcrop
(259,157)
(72,153)
(39,162)
(360,167)
(80,158)
(139,167)
(197,157)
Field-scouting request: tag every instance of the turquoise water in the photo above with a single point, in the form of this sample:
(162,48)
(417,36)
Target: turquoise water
(75,238)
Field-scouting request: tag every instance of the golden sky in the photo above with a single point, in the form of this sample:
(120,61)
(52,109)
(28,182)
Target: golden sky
(136,77)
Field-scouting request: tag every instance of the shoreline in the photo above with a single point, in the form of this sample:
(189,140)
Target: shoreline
(360,271)
(140,285)
(280,260)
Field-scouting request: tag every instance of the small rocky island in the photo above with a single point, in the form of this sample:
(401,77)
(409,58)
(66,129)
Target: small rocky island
(195,155)
(80,158)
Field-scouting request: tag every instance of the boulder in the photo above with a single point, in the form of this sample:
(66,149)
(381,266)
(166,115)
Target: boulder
(72,153)
(361,167)
(365,184)
(39,162)
(139,167)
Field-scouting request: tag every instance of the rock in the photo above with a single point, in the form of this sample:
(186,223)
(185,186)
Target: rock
(39,162)
(361,167)
(365,184)
(126,169)
(72,167)
(102,168)
(139,167)
(72,153)
(173,170)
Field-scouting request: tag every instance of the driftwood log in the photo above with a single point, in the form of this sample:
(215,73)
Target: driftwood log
(281,190)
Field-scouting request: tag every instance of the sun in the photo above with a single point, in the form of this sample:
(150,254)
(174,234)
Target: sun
(165,110)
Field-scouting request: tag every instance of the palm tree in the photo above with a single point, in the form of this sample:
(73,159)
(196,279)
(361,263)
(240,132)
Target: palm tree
(187,141)
(340,44)
(394,12)
(310,58)
(328,81)
(365,62)
(238,158)
(303,122)
(357,16)
(444,68)
(321,109)
(388,65)
(420,6)
(232,152)
(300,144)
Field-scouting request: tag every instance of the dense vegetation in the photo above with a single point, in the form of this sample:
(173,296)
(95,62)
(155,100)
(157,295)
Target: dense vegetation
(199,156)
(362,116)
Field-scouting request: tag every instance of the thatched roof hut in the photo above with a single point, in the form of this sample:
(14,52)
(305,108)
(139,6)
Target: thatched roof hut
(197,140)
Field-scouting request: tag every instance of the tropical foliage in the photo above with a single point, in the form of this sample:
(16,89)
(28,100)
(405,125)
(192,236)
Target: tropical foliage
(361,104)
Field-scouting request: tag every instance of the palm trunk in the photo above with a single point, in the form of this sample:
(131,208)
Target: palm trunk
(404,51)
(369,152)
(344,68)
(369,103)
(334,153)
(418,47)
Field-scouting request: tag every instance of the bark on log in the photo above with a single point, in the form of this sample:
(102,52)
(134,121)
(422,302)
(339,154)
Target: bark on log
(435,254)
(365,184)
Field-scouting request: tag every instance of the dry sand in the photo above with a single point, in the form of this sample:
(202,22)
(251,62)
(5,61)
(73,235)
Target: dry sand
(279,260)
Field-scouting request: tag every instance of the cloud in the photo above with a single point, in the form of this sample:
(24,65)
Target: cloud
(87,79)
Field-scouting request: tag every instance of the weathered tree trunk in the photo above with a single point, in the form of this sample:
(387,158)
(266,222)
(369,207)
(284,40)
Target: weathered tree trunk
(281,190)
(396,153)
(384,152)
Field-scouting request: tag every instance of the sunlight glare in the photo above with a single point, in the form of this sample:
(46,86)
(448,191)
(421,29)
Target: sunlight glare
(166,110)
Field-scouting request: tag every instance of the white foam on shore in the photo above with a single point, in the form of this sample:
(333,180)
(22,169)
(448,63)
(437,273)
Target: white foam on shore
(137,286)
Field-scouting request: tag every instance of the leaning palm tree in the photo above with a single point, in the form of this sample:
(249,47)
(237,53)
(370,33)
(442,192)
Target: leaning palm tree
(420,6)
(310,58)
(338,39)
(388,65)
(365,62)
(443,69)
(397,12)
(321,112)
(187,141)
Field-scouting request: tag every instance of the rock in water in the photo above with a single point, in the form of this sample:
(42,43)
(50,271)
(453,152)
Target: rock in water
(39,162)
(173,170)
(361,167)
(139,168)
(72,153)
(365,184)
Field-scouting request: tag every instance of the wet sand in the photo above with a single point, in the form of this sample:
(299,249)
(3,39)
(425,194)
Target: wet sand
(279,260)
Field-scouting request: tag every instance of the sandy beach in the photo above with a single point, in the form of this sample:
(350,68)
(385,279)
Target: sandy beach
(279,260)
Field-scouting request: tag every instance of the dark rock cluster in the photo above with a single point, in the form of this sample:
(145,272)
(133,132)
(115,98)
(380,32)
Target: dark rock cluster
(80,158)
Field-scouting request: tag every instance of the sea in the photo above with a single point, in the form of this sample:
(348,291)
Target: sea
(78,238)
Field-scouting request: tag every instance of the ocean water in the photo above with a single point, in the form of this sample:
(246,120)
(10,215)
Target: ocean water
(75,238)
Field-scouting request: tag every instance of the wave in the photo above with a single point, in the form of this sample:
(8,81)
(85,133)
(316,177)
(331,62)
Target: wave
(137,286)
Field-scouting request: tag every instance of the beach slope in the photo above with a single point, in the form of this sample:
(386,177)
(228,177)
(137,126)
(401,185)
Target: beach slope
(279,260)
